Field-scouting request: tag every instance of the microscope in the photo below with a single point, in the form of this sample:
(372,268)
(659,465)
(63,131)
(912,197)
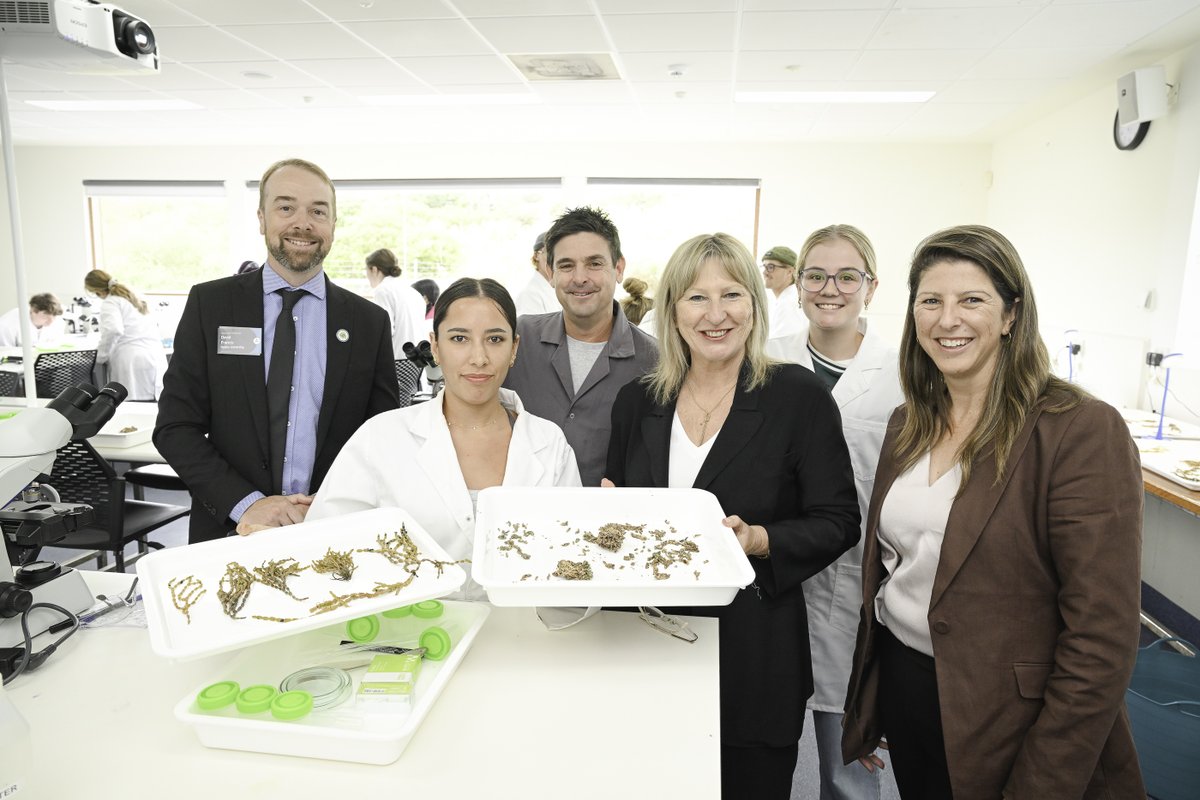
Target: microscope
(35,517)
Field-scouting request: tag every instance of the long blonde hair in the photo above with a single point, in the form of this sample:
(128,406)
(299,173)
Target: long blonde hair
(1022,376)
(674,356)
(101,283)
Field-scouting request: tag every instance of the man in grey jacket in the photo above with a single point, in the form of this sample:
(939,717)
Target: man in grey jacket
(572,362)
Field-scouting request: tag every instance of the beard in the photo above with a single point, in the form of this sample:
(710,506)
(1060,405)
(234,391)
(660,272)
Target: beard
(298,263)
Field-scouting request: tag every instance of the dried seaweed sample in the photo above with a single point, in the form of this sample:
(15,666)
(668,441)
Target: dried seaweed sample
(339,564)
(234,589)
(511,537)
(276,573)
(668,552)
(184,594)
(573,570)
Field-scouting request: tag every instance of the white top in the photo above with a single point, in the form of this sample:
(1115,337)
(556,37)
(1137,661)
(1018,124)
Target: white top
(912,524)
(648,324)
(10,330)
(406,459)
(685,458)
(537,297)
(131,345)
(406,309)
(783,313)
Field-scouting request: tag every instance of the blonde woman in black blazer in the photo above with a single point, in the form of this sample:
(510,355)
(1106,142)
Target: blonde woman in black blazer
(766,439)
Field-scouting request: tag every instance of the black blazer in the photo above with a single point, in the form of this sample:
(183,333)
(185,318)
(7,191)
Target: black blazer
(779,461)
(212,415)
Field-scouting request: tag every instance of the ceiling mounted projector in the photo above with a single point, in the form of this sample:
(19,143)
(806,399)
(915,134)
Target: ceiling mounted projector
(77,36)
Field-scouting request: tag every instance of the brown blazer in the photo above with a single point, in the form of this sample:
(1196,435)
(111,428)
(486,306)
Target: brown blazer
(1034,614)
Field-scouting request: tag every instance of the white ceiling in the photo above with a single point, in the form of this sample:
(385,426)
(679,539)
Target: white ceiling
(992,64)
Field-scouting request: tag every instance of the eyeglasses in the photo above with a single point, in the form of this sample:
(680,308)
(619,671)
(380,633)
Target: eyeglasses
(846,281)
(769,268)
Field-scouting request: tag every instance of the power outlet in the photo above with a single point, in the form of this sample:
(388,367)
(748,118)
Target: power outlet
(1154,359)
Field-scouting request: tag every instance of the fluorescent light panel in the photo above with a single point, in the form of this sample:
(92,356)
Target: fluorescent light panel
(450,99)
(114,105)
(832,97)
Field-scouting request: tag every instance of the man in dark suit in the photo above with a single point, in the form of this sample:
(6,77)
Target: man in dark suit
(253,443)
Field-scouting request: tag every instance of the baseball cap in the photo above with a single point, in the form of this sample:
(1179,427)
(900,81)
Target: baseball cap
(784,255)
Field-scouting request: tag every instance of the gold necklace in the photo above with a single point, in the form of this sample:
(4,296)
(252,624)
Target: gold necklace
(491,421)
(708,412)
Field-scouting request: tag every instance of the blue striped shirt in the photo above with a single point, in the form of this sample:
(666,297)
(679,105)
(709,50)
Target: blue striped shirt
(308,379)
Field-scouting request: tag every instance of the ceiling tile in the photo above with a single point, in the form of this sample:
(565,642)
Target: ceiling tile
(543,34)
(224,99)
(664,6)
(309,98)
(159,13)
(807,30)
(421,38)
(234,73)
(657,32)
(521,8)
(357,10)
(176,76)
(1037,64)
(823,5)
(966,28)
(241,12)
(914,65)
(445,71)
(790,66)
(695,66)
(300,40)
(1116,24)
(1010,92)
(358,72)
(584,92)
(693,93)
(196,44)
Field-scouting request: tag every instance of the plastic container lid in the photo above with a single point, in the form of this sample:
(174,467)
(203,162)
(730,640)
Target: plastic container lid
(363,629)
(254,699)
(291,705)
(397,613)
(327,686)
(436,642)
(218,695)
(427,609)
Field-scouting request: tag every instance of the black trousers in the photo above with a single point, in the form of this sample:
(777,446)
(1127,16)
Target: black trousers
(757,773)
(912,720)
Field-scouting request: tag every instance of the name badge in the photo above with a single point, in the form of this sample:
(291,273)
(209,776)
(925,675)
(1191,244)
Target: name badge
(234,341)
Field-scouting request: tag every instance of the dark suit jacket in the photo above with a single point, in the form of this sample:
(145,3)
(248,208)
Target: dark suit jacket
(1034,614)
(212,415)
(779,461)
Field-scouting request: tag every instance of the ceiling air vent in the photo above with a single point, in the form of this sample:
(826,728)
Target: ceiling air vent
(566,67)
(22,12)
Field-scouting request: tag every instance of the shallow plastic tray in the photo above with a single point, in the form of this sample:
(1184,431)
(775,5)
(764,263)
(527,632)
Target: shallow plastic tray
(1144,425)
(351,732)
(559,517)
(111,436)
(211,631)
(1164,463)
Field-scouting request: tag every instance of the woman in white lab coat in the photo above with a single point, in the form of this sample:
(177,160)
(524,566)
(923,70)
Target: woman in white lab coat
(836,282)
(404,304)
(432,459)
(130,341)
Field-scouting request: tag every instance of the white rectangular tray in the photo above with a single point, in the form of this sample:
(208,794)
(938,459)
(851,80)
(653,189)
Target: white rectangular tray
(212,631)
(111,436)
(1144,424)
(350,732)
(559,517)
(1166,461)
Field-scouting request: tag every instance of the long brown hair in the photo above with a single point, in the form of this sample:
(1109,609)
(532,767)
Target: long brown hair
(1022,378)
(101,283)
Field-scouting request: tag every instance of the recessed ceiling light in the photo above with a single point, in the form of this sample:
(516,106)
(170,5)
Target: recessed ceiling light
(114,105)
(832,97)
(524,98)
(255,75)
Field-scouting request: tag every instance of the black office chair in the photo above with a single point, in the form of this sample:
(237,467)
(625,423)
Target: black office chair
(408,376)
(81,475)
(10,384)
(63,369)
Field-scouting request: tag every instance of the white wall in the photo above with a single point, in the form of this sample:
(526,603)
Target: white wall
(1105,234)
(896,193)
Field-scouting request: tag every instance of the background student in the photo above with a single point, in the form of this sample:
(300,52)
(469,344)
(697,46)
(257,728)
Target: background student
(130,341)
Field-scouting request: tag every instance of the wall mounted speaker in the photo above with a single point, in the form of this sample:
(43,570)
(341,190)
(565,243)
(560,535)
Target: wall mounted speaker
(1142,95)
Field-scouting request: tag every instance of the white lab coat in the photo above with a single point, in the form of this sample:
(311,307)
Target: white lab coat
(131,345)
(784,317)
(10,330)
(406,308)
(537,297)
(866,395)
(406,459)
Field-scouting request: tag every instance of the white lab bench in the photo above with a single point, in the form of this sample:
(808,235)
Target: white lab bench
(608,708)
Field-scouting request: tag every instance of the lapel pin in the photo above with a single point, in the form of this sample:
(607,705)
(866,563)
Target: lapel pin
(343,335)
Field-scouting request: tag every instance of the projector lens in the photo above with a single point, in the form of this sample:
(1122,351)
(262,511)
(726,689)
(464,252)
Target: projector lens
(133,37)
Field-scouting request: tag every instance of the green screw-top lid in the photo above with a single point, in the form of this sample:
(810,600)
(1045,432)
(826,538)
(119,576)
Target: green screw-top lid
(397,613)
(291,705)
(217,695)
(436,642)
(254,699)
(363,629)
(427,609)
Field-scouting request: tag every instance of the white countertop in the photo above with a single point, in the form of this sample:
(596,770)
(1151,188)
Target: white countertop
(608,708)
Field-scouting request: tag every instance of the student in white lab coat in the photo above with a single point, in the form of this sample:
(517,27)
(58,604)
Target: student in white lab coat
(432,459)
(130,341)
(404,304)
(836,282)
(45,320)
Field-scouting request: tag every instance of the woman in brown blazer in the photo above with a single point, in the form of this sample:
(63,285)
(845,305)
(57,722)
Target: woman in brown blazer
(1001,578)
